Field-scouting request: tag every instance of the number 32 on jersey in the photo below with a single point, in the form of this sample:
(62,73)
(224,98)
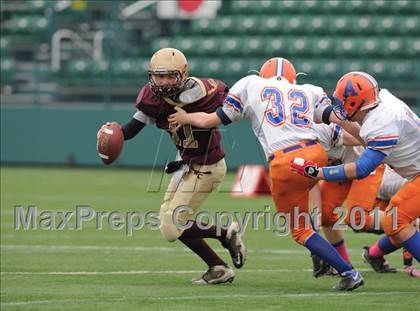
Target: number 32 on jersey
(275,112)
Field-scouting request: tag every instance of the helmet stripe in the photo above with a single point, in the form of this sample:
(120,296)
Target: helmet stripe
(367,76)
(279,70)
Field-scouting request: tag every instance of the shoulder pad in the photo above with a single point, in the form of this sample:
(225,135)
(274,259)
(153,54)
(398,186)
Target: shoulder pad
(194,90)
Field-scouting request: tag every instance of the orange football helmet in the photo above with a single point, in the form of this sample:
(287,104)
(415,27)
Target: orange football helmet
(355,91)
(278,67)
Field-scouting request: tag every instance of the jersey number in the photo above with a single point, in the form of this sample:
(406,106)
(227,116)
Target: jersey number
(275,113)
(189,141)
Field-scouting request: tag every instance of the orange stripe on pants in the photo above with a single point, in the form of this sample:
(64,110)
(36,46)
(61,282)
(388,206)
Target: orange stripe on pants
(291,190)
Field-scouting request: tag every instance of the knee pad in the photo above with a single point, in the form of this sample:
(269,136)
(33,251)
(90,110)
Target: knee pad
(167,227)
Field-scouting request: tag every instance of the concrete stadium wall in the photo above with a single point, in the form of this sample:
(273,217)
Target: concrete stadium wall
(67,136)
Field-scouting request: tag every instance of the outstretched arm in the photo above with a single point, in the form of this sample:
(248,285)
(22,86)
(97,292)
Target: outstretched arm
(366,164)
(352,128)
(198,119)
(350,140)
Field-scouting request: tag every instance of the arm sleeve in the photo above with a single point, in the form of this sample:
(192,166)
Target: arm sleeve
(367,162)
(132,128)
(223,117)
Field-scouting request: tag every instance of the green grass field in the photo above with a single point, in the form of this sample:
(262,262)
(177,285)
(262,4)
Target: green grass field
(105,269)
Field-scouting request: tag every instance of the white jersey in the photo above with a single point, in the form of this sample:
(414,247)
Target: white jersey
(394,129)
(331,139)
(282,114)
(391,183)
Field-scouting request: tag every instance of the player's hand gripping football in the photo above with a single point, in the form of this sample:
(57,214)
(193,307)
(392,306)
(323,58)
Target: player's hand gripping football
(304,167)
(179,118)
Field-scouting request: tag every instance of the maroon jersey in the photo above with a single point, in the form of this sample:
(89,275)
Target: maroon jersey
(201,146)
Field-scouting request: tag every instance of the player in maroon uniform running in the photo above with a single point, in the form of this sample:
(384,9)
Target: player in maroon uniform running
(201,167)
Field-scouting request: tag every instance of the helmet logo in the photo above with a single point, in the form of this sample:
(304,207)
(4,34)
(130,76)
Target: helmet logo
(349,90)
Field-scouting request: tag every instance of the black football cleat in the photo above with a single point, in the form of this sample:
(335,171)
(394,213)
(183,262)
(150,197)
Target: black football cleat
(321,268)
(379,264)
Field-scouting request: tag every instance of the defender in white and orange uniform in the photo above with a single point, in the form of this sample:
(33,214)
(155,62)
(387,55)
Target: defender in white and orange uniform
(282,114)
(391,132)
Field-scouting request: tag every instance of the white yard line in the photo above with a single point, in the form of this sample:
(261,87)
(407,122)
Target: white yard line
(142,248)
(134,272)
(321,295)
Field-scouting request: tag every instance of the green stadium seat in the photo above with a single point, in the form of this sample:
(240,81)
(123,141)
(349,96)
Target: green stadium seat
(294,24)
(394,46)
(311,6)
(329,68)
(162,43)
(4,46)
(211,67)
(287,6)
(353,65)
(369,46)
(100,69)
(379,6)
(39,5)
(318,24)
(242,6)
(126,68)
(224,25)
(235,67)
(377,68)
(310,67)
(348,46)
(301,46)
(413,47)
(270,24)
(402,6)
(193,66)
(231,45)
(245,25)
(204,26)
(363,25)
(355,6)
(409,25)
(323,46)
(210,46)
(268,6)
(188,45)
(28,24)
(252,46)
(401,69)
(387,25)
(80,68)
(276,46)
(341,24)
(332,6)
(7,68)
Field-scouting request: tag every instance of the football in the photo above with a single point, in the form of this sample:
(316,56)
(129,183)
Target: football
(110,141)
